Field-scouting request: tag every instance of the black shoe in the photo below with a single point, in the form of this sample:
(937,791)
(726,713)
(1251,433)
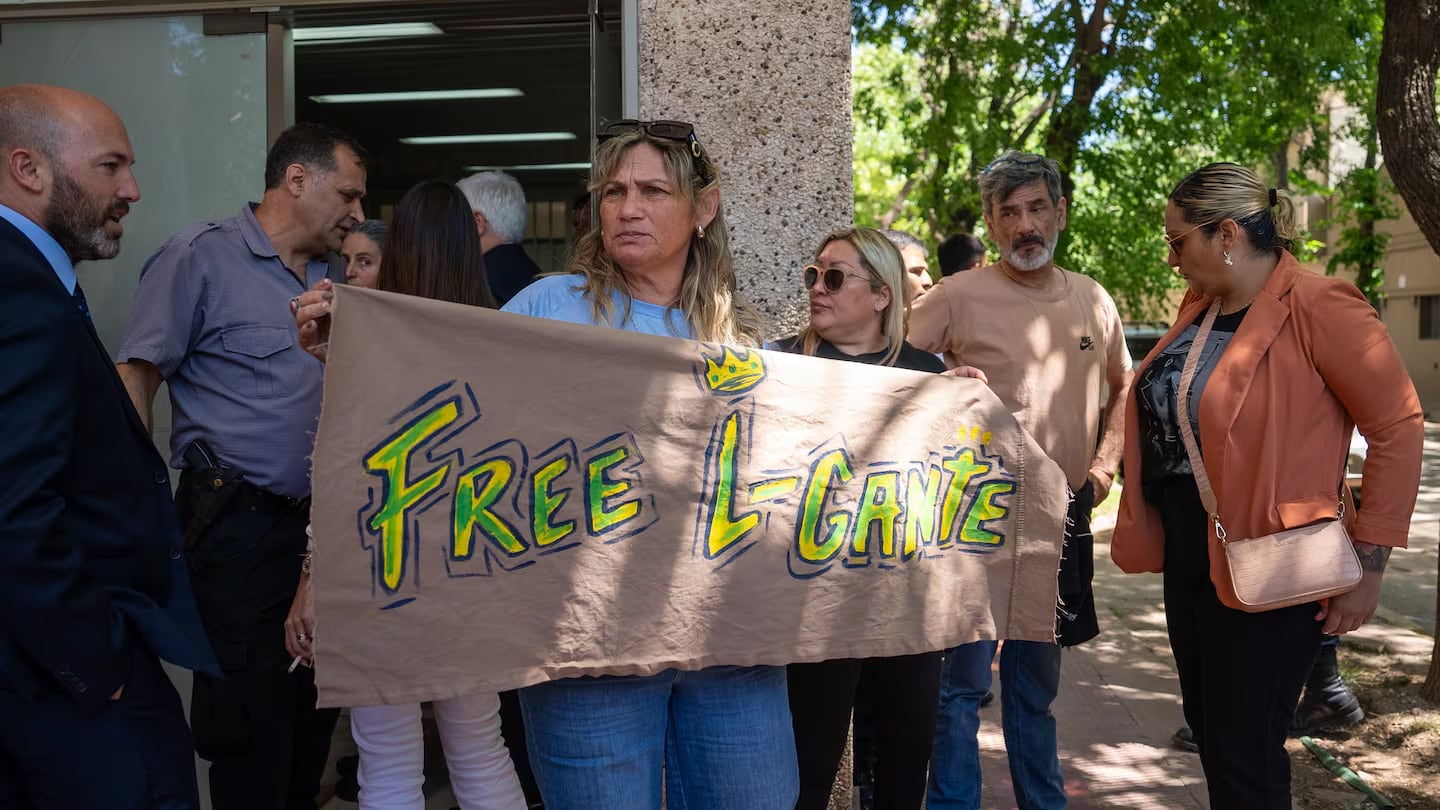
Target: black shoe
(348,788)
(1328,703)
(987,700)
(1184,739)
(1326,711)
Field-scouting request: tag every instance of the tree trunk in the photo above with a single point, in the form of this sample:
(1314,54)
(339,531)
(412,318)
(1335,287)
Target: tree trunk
(1410,138)
(1070,121)
(1405,108)
(1370,276)
(888,218)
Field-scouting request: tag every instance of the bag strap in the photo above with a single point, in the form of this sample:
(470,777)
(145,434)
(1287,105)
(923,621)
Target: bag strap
(1187,433)
(1187,378)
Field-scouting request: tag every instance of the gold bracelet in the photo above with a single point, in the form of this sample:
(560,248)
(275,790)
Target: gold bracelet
(305,564)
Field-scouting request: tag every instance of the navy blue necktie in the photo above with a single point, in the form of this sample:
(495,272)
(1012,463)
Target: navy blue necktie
(80,301)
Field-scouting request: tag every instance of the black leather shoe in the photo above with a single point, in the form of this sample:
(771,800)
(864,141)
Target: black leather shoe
(1184,739)
(348,787)
(1326,710)
(1328,703)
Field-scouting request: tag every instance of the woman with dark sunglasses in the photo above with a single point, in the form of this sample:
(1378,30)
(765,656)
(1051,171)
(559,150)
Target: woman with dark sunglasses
(857,296)
(659,263)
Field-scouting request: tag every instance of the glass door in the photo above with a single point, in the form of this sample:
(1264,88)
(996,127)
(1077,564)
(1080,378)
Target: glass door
(195,109)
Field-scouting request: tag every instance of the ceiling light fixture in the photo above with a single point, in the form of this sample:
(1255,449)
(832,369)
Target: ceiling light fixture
(494,137)
(419,95)
(340,33)
(532,167)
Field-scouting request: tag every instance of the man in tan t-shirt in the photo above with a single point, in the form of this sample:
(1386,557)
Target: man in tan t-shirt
(1051,343)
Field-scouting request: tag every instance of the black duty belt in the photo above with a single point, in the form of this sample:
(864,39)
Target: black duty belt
(254,499)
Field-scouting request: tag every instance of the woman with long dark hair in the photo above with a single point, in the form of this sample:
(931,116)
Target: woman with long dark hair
(433,251)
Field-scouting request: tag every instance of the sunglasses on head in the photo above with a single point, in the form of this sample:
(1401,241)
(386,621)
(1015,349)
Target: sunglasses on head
(665,131)
(1022,160)
(834,278)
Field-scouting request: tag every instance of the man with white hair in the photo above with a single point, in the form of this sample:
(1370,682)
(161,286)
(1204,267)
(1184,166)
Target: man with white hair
(499,205)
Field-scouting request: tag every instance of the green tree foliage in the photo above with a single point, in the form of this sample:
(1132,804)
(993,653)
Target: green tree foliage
(1128,96)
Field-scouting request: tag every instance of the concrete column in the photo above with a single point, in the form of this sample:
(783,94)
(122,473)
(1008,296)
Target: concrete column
(767,86)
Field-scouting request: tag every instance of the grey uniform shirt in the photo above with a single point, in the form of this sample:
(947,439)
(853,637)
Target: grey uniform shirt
(212,314)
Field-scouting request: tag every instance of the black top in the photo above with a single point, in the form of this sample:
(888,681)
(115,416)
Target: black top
(1162,450)
(509,270)
(910,357)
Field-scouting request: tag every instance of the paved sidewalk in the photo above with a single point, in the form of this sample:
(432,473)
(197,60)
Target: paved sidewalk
(1119,703)
(1120,697)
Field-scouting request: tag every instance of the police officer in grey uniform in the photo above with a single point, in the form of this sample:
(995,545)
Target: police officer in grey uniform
(212,319)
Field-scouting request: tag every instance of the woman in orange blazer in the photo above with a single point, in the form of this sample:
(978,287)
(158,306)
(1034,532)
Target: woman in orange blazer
(1293,361)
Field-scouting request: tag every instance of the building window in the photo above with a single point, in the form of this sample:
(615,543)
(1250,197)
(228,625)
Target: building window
(1429,316)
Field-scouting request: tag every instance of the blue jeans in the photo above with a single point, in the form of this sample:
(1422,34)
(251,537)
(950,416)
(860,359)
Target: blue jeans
(723,734)
(1029,679)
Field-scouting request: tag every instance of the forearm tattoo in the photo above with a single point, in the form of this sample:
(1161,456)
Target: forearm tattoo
(1373,558)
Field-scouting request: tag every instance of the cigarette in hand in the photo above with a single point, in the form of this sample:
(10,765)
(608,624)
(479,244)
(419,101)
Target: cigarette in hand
(295,663)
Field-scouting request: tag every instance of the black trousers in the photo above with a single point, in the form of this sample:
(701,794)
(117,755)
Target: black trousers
(905,695)
(1240,673)
(258,726)
(134,754)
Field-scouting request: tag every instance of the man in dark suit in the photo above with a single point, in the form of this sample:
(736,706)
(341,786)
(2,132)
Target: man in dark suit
(93,587)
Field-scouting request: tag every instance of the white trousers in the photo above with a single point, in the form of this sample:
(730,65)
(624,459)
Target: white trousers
(392,755)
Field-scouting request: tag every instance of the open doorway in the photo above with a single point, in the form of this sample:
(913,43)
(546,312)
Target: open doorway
(199,91)
(450,88)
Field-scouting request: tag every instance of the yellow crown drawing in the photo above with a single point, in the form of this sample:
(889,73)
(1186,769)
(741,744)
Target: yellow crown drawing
(733,374)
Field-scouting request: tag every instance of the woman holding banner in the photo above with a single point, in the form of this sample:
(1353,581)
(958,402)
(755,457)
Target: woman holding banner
(433,252)
(857,312)
(659,263)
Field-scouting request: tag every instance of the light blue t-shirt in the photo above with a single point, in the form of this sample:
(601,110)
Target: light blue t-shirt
(562,298)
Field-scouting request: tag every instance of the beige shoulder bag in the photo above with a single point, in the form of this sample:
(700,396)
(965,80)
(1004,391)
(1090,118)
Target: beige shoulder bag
(1278,570)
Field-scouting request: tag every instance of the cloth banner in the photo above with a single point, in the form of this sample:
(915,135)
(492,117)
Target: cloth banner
(503,500)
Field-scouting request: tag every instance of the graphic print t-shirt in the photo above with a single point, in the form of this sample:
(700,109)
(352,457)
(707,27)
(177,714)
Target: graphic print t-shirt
(1162,452)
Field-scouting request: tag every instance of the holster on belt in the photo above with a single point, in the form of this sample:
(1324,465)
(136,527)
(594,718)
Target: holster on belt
(218,484)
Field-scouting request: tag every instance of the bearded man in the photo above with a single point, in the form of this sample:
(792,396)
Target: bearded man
(1051,343)
(93,590)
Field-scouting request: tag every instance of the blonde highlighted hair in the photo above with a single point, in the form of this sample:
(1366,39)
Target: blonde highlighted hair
(1220,191)
(708,297)
(881,259)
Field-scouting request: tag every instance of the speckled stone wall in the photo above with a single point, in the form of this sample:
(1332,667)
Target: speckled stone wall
(767,85)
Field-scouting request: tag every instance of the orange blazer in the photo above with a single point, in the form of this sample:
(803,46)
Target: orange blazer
(1310,361)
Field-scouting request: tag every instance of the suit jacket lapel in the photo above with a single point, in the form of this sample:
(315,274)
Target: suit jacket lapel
(114,377)
(21,241)
(42,265)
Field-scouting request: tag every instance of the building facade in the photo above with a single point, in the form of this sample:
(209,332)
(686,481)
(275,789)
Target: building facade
(205,85)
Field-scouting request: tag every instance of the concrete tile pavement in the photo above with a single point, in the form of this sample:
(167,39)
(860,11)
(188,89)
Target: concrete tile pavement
(1120,697)
(1119,704)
